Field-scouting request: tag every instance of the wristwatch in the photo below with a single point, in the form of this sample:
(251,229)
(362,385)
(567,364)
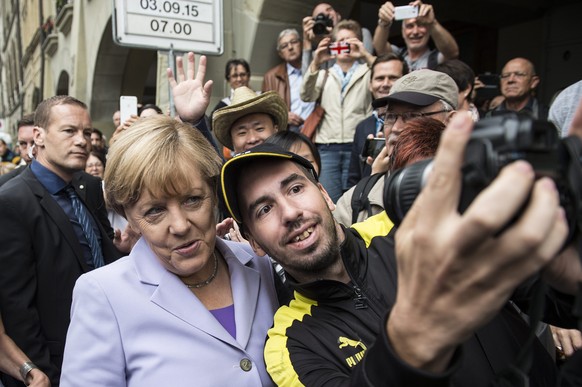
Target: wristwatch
(25,369)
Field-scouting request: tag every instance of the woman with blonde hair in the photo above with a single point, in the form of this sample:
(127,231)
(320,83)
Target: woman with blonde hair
(185,307)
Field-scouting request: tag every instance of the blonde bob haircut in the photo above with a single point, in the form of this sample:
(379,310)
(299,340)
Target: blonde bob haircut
(157,154)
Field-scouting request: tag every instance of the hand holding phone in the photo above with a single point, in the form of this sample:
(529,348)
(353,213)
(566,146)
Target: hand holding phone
(372,147)
(127,107)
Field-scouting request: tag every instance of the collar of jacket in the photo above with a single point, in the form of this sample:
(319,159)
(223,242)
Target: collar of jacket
(354,256)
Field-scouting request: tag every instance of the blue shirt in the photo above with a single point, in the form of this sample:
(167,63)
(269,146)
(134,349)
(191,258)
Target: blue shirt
(299,107)
(56,187)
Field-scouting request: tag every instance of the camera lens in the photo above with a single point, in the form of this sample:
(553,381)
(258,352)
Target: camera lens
(402,187)
(322,21)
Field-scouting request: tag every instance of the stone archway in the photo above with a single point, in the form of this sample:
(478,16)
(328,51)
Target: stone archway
(63,84)
(118,71)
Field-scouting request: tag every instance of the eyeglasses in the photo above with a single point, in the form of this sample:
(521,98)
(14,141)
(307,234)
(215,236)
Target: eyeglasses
(391,118)
(518,74)
(284,46)
(238,75)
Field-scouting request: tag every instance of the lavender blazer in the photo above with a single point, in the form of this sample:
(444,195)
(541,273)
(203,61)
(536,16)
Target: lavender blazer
(133,323)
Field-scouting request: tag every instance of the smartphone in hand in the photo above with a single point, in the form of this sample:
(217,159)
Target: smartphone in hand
(373,146)
(127,107)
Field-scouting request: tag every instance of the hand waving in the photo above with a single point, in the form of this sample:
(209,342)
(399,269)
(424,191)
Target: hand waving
(191,94)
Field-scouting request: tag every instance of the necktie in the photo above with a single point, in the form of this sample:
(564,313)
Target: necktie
(83,218)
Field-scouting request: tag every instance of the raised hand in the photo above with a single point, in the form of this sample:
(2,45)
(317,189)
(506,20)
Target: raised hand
(191,94)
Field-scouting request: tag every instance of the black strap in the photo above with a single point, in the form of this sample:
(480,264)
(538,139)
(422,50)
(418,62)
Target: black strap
(318,101)
(433,59)
(431,63)
(360,200)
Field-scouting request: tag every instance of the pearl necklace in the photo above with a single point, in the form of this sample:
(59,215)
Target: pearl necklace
(210,279)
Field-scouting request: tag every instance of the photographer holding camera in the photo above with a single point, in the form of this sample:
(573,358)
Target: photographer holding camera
(416,32)
(343,91)
(318,26)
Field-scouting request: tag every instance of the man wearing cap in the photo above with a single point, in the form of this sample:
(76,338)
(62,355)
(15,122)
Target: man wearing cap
(250,119)
(422,93)
(449,323)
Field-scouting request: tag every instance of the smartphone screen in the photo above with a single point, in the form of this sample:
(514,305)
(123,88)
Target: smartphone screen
(127,107)
(373,146)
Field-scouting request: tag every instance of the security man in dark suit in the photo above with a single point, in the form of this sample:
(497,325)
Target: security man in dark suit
(54,228)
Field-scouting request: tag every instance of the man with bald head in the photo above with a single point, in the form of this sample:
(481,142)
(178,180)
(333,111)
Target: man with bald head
(518,81)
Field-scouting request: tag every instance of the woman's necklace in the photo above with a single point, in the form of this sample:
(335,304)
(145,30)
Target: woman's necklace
(209,279)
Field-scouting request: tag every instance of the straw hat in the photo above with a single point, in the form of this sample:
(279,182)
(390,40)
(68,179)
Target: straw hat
(245,101)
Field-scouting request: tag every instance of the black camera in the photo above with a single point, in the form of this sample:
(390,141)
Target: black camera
(322,21)
(496,142)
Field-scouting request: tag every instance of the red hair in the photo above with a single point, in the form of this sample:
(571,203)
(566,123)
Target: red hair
(418,140)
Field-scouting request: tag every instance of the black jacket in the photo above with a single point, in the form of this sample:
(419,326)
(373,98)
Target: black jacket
(333,334)
(40,260)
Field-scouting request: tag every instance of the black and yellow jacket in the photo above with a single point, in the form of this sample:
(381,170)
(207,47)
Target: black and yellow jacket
(333,334)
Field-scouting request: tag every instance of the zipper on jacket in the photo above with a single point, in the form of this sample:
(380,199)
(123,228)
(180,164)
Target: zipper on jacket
(360,300)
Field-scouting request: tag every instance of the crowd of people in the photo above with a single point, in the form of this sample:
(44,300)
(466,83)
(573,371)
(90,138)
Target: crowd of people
(251,246)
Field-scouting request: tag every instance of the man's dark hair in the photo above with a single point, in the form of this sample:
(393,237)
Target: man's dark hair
(99,133)
(287,138)
(387,58)
(461,73)
(232,63)
(150,106)
(26,120)
(42,114)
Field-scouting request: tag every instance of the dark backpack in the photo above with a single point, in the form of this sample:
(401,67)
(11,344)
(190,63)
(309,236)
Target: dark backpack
(360,201)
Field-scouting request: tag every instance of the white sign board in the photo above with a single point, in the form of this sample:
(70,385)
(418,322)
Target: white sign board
(181,25)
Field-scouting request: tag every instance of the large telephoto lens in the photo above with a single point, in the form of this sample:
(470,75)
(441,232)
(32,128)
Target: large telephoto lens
(402,187)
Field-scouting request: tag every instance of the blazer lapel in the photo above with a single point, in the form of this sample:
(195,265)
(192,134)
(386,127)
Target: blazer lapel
(174,297)
(56,213)
(245,283)
(80,187)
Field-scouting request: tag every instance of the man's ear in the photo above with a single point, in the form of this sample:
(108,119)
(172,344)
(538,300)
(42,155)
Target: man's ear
(275,128)
(326,197)
(450,116)
(535,80)
(38,134)
(255,246)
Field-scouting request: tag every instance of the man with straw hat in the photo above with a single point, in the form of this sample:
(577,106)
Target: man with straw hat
(250,119)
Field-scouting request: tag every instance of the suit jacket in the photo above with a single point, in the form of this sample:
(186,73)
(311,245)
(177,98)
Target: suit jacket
(358,168)
(276,79)
(40,260)
(134,323)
